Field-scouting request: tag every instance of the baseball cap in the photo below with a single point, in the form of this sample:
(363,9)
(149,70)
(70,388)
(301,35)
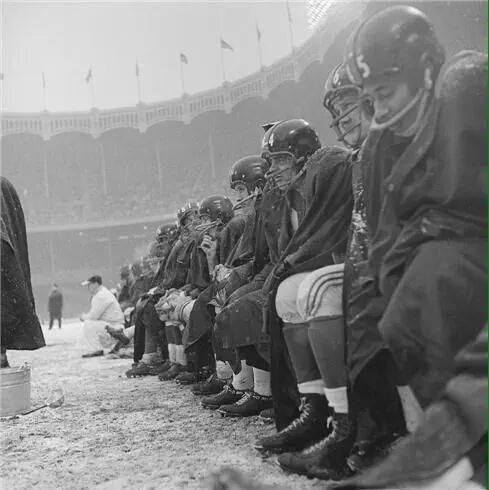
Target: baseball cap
(92,279)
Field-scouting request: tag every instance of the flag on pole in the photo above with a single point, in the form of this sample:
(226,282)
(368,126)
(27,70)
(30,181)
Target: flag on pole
(43,81)
(183,58)
(258,32)
(88,76)
(137,69)
(288,11)
(225,45)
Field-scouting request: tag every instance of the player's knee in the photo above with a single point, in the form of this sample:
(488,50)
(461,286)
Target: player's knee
(286,301)
(320,294)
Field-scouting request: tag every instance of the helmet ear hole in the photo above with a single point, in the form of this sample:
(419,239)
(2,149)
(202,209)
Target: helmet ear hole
(428,64)
(367,107)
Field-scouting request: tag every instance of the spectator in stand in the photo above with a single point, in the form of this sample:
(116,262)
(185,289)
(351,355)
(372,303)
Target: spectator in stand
(55,306)
(104,312)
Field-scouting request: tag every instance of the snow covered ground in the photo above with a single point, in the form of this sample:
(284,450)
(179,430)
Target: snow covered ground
(113,432)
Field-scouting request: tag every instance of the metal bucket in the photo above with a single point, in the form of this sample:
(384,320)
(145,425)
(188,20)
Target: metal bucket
(15,390)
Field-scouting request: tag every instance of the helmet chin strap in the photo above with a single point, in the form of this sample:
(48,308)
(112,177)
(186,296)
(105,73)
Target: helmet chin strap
(420,100)
(411,130)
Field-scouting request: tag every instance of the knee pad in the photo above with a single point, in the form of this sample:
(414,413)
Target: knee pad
(301,354)
(286,298)
(320,293)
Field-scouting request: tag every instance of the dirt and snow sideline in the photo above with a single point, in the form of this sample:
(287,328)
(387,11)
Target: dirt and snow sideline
(115,433)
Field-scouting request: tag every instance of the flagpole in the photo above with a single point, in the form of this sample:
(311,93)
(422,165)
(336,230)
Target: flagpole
(44,92)
(46,173)
(182,78)
(222,63)
(211,157)
(291,32)
(258,36)
(92,91)
(139,91)
(138,82)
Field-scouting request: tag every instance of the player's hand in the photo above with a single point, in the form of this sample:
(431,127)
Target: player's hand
(209,246)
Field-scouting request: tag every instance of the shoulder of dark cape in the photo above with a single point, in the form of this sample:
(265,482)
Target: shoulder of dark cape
(235,222)
(326,158)
(463,73)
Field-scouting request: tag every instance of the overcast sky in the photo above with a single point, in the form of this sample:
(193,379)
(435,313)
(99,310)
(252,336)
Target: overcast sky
(64,39)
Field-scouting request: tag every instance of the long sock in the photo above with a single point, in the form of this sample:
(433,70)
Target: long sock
(172,352)
(326,336)
(181,358)
(413,413)
(223,370)
(337,398)
(262,382)
(151,358)
(327,339)
(149,341)
(301,354)
(316,386)
(244,379)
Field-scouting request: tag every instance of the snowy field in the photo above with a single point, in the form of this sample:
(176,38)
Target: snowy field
(113,432)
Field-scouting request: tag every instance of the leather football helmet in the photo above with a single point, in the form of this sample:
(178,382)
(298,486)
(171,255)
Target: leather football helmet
(183,212)
(397,41)
(167,232)
(249,171)
(217,208)
(294,136)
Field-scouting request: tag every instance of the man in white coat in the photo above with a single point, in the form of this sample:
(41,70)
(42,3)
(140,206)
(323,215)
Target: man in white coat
(104,312)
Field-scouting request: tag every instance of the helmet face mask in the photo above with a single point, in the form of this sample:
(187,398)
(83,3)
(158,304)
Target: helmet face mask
(188,225)
(350,120)
(214,213)
(349,111)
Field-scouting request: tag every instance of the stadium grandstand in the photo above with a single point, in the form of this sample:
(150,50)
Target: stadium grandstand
(95,185)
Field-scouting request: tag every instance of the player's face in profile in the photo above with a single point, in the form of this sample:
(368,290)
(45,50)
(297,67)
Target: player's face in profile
(192,220)
(353,125)
(281,169)
(389,97)
(240,192)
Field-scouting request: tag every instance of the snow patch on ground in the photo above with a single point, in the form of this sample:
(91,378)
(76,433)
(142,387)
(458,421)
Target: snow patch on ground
(118,433)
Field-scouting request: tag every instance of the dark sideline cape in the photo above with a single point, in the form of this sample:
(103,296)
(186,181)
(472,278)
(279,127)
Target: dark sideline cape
(323,198)
(21,329)
(240,322)
(202,315)
(454,426)
(430,198)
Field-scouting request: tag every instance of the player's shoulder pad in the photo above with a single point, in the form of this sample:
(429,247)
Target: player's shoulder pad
(463,73)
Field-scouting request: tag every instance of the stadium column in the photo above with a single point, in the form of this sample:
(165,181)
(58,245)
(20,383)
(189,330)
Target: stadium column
(212,157)
(158,164)
(52,265)
(109,249)
(102,166)
(45,164)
